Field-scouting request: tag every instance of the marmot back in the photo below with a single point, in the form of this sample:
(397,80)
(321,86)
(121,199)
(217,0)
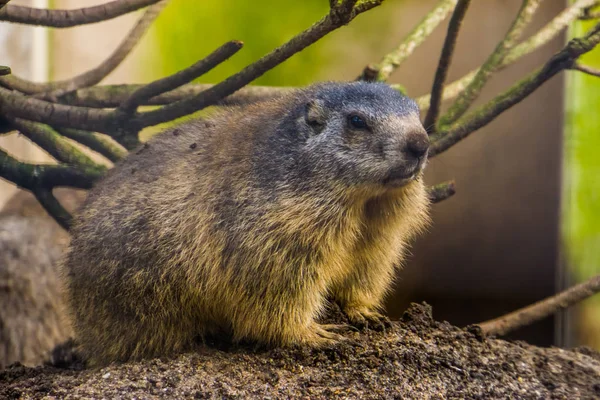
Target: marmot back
(247,222)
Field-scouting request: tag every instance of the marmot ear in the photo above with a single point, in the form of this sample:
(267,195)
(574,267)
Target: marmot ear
(315,114)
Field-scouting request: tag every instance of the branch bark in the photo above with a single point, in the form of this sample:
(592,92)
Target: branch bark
(537,311)
(441,191)
(111,96)
(338,16)
(545,35)
(96,74)
(586,69)
(450,135)
(33,176)
(96,142)
(53,207)
(444,64)
(69,18)
(54,144)
(472,91)
(143,94)
(390,62)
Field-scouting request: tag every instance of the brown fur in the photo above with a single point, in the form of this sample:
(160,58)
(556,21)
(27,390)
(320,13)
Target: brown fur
(245,224)
(33,317)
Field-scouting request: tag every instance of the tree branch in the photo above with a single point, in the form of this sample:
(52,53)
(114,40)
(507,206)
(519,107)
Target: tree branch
(54,144)
(130,105)
(472,91)
(96,142)
(54,208)
(586,69)
(444,64)
(4,70)
(338,16)
(69,18)
(94,75)
(14,104)
(547,33)
(111,96)
(441,191)
(391,61)
(33,176)
(537,311)
(564,59)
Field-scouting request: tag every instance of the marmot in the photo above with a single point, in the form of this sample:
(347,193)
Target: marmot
(33,314)
(248,221)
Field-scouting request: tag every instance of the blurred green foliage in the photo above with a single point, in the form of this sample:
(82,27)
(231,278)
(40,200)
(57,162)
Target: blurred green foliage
(189,29)
(581,219)
(581,193)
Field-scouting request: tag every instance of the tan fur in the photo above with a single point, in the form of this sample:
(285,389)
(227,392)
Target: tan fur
(193,235)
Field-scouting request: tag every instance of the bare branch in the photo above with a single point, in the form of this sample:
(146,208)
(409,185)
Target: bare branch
(111,96)
(546,34)
(337,17)
(68,18)
(33,176)
(14,104)
(444,64)
(589,13)
(54,208)
(466,98)
(130,105)
(586,69)
(537,311)
(97,142)
(4,70)
(94,75)
(54,144)
(564,59)
(391,61)
(441,191)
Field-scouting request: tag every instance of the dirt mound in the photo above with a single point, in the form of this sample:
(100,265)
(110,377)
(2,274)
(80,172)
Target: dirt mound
(417,358)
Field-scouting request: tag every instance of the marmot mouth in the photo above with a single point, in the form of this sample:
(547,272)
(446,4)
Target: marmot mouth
(401,176)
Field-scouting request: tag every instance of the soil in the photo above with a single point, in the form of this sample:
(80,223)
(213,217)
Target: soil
(418,358)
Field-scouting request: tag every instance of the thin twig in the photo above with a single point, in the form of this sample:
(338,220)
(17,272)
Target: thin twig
(564,59)
(444,64)
(542,309)
(54,144)
(110,122)
(111,96)
(441,191)
(586,69)
(140,96)
(96,142)
(96,74)
(472,91)
(48,176)
(338,16)
(543,36)
(68,18)
(53,207)
(392,60)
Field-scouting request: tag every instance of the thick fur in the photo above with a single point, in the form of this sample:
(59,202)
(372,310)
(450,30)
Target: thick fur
(246,222)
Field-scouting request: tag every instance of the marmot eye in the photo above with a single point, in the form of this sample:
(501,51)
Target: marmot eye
(357,122)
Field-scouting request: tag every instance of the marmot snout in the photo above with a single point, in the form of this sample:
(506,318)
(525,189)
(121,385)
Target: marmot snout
(246,224)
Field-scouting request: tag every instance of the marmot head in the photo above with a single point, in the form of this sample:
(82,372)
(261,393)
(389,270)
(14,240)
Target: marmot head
(366,134)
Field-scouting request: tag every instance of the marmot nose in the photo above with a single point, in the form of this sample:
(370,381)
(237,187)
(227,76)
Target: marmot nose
(417,145)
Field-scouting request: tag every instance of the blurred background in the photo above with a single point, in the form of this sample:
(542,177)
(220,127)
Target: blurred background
(525,221)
